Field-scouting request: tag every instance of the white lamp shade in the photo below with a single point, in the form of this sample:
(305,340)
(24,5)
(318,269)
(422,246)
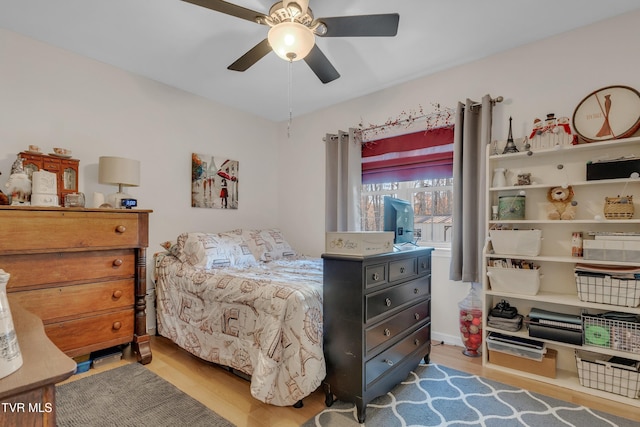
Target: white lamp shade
(119,171)
(291,41)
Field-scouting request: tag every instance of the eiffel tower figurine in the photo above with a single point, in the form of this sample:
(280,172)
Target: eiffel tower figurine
(510,147)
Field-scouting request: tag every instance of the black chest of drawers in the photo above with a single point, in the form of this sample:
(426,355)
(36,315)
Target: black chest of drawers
(377,322)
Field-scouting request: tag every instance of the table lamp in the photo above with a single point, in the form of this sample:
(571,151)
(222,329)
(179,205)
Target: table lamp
(119,171)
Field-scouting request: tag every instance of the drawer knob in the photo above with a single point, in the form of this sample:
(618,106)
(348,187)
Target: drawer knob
(424,265)
(416,290)
(117,325)
(117,262)
(401,270)
(388,362)
(416,316)
(117,293)
(121,229)
(375,276)
(387,301)
(387,332)
(417,342)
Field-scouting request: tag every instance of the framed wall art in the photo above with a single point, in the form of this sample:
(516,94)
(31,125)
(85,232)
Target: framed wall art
(609,113)
(214,182)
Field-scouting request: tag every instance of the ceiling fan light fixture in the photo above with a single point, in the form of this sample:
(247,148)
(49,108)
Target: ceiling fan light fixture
(291,41)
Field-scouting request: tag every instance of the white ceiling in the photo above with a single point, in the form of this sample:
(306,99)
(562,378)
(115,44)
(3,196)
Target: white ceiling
(190,47)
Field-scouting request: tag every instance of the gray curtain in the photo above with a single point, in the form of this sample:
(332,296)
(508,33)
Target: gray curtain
(471,136)
(343,181)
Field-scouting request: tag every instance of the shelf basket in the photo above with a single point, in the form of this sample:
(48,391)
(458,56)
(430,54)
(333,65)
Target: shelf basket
(608,290)
(606,376)
(610,333)
(618,207)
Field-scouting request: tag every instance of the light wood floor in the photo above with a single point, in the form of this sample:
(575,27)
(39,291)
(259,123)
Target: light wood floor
(229,395)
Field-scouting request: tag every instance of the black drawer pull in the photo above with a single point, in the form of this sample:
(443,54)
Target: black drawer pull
(401,270)
(416,316)
(387,301)
(416,290)
(375,277)
(388,362)
(387,332)
(416,342)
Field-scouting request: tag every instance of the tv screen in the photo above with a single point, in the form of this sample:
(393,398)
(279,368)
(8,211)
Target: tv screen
(398,217)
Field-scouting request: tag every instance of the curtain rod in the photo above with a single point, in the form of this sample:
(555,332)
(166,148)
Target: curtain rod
(434,114)
(412,119)
(424,116)
(494,101)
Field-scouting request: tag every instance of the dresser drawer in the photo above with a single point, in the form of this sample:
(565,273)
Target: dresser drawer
(424,264)
(398,324)
(391,298)
(375,275)
(403,269)
(74,230)
(54,304)
(81,336)
(40,270)
(377,366)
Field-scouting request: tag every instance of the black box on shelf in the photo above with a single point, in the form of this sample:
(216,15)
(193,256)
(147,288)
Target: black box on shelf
(613,169)
(555,326)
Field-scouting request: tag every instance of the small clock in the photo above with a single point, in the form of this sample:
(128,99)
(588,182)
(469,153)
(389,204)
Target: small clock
(128,203)
(609,113)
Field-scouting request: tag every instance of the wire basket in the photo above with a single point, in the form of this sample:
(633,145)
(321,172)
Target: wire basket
(608,290)
(607,376)
(610,333)
(618,207)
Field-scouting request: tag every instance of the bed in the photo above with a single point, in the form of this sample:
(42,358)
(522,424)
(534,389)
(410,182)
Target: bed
(245,300)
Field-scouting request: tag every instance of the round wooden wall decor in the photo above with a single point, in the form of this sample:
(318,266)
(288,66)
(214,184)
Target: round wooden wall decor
(612,112)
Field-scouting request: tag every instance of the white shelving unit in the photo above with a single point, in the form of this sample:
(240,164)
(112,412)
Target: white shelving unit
(561,166)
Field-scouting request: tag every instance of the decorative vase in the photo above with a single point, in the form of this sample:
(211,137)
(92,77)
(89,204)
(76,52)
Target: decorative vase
(471,323)
(10,356)
(499,178)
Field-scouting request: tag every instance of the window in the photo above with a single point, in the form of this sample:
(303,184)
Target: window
(432,201)
(418,168)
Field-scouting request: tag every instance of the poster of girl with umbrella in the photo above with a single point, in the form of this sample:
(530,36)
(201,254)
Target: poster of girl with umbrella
(214,182)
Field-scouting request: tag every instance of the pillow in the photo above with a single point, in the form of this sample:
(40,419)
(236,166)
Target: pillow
(268,244)
(208,250)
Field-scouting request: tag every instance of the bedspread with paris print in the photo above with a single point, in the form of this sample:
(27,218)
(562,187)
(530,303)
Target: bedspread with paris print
(264,320)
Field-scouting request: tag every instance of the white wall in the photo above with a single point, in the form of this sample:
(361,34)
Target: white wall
(51,97)
(551,76)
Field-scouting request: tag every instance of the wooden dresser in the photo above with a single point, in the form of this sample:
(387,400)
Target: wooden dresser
(377,322)
(82,271)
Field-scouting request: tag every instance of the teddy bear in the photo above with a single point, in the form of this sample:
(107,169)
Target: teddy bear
(561,204)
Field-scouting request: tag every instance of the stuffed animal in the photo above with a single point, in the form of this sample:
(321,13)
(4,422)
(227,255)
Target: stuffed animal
(561,204)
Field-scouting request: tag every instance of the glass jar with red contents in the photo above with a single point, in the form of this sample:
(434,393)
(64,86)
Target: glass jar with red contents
(471,323)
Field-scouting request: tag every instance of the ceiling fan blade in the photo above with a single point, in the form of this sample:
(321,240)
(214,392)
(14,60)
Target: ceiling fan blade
(384,25)
(229,9)
(255,54)
(318,62)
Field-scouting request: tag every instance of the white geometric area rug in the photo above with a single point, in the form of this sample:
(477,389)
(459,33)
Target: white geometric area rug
(435,395)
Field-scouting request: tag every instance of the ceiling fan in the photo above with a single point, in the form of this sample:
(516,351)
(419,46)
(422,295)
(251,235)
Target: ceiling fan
(293,29)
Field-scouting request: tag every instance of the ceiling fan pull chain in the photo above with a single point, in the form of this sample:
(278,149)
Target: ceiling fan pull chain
(290,89)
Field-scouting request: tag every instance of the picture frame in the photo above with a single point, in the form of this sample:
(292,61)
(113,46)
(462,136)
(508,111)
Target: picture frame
(612,112)
(214,182)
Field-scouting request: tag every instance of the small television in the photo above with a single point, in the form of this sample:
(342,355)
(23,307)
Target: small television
(398,217)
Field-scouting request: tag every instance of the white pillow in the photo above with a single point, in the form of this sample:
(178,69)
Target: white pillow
(213,250)
(268,244)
